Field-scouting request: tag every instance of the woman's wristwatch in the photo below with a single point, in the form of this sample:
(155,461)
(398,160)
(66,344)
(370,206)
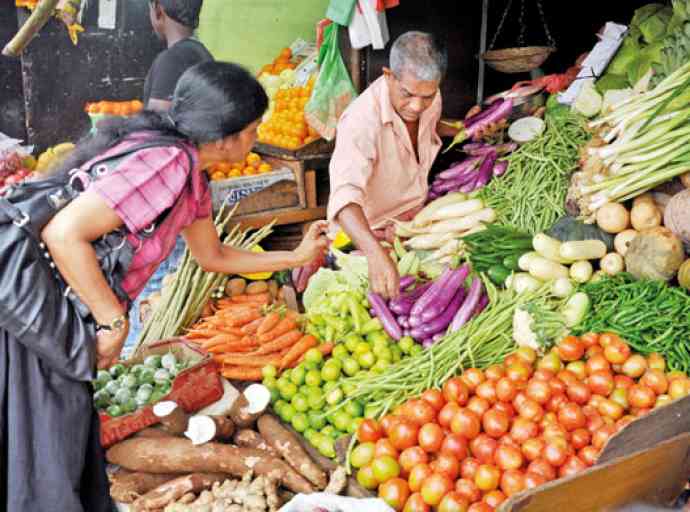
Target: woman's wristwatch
(117,324)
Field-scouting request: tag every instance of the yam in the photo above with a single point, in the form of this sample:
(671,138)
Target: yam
(152,432)
(127,487)
(235,287)
(257,287)
(203,429)
(223,406)
(251,404)
(174,490)
(273,288)
(677,216)
(247,438)
(654,254)
(172,417)
(286,443)
(337,482)
(177,455)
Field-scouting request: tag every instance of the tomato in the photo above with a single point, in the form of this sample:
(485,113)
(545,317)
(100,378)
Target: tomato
(468,490)
(417,476)
(533,480)
(532,449)
(511,359)
(571,348)
(494,498)
(445,416)
(369,431)
(601,383)
(404,434)
(480,506)
(641,412)
(478,405)
(594,351)
(539,391)
(611,409)
(679,388)
(617,352)
(578,368)
(366,477)
(506,408)
(571,417)
(487,391)
(607,338)
(415,503)
(598,363)
(623,382)
(572,466)
(453,502)
(550,362)
(588,455)
(456,445)
(395,493)
(385,468)
(420,412)
(519,400)
(494,372)
(512,482)
(447,464)
(579,393)
(580,438)
(495,423)
(472,377)
(466,423)
(543,468)
(412,457)
(434,398)
(655,380)
(519,371)
(483,447)
(468,468)
(555,454)
(527,354)
(455,390)
(531,410)
(656,361)
(435,488)
(546,375)
(506,390)
(388,421)
(589,339)
(487,477)
(523,429)
(601,436)
(430,437)
(385,447)
(557,386)
(363,454)
(556,402)
(595,422)
(641,397)
(508,457)
(635,366)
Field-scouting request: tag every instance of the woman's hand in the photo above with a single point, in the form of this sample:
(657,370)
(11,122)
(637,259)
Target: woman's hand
(109,346)
(313,245)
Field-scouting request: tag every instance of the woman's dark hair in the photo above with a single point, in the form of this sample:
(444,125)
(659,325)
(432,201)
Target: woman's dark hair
(212,100)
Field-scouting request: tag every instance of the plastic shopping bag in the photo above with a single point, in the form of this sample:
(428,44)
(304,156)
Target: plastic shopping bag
(376,22)
(340,11)
(332,503)
(359,30)
(333,91)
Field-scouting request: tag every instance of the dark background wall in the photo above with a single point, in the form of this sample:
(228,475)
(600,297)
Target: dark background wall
(11,95)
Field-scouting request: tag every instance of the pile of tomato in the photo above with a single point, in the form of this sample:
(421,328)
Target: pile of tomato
(488,435)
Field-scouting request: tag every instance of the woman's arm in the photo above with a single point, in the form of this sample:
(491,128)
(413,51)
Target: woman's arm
(213,256)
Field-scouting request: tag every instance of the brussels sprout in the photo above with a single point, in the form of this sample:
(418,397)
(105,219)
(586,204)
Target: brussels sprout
(161,377)
(168,361)
(146,376)
(153,361)
(112,387)
(143,395)
(114,410)
(101,399)
(118,370)
(137,369)
(103,376)
(122,395)
(163,388)
(130,406)
(156,396)
(129,381)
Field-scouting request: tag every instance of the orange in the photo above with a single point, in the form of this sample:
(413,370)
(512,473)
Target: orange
(264,168)
(137,106)
(286,53)
(249,171)
(253,159)
(217,176)
(235,173)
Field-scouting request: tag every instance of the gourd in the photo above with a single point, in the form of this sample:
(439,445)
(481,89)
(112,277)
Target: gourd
(684,275)
(569,229)
(654,254)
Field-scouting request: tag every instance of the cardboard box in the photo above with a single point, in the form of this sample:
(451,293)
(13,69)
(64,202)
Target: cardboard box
(193,389)
(234,190)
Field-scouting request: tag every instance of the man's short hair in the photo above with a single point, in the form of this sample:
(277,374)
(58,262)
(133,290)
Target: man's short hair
(421,54)
(185,12)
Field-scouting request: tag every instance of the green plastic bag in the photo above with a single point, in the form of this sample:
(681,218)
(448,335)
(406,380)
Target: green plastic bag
(340,11)
(333,90)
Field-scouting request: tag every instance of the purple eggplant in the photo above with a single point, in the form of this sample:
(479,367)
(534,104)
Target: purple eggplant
(470,185)
(414,321)
(487,112)
(420,290)
(500,168)
(427,342)
(500,149)
(496,112)
(401,306)
(466,310)
(473,146)
(407,332)
(485,171)
(406,282)
(455,171)
(430,294)
(403,321)
(483,302)
(432,196)
(448,185)
(438,337)
(372,312)
(441,322)
(446,295)
(384,314)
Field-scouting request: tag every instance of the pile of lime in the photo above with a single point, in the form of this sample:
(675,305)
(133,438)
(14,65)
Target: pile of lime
(124,389)
(307,396)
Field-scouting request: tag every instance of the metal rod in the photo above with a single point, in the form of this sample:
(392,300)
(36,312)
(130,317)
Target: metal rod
(482,49)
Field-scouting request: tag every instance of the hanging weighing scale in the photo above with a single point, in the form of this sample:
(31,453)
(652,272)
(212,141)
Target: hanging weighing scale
(522,58)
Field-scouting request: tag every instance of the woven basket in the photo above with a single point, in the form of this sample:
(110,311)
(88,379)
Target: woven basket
(517,60)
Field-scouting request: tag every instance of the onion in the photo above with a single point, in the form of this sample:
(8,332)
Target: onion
(612,263)
(581,271)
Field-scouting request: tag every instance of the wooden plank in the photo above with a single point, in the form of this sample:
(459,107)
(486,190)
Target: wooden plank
(659,425)
(287,216)
(310,188)
(656,476)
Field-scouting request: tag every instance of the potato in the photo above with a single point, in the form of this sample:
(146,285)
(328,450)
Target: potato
(613,218)
(235,287)
(256,287)
(645,215)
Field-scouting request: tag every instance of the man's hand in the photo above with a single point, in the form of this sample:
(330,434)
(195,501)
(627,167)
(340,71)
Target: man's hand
(109,346)
(383,274)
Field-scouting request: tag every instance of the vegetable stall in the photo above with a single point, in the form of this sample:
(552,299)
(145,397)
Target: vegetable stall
(543,316)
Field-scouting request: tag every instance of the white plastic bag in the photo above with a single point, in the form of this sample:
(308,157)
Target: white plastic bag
(320,502)
(376,21)
(359,30)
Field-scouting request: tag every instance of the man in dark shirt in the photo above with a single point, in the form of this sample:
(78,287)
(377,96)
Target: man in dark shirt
(173,22)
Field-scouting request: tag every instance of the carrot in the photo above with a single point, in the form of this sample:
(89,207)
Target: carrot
(203,333)
(252,327)
(219,358)
(286,325)
(299,348)
(235,331)
(286,340)
(219,340)
(269,322)
(242,373)
(232,347)
(252,360)
(240,319)
(259,298)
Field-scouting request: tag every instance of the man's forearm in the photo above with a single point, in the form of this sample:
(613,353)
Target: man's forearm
(355,224)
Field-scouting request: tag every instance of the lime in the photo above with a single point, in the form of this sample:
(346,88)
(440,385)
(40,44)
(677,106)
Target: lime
(350,366)
(416,350)
(328,386)
(278,406)
(330,372)
(349,389)
(316,420)
(311,366)
(328,430)
(316,399)
(380,366)
(354,425)
(406,344)
(309,434)
(282,382)
(340,352)
(286,374)
(366,360)
(153,361)
(270,382)
(275,394)
(269,371)
(336,434)
(287,413)
(354,409)
(383,353)
(313,378)
(370,412)
(341,420)
(297,376)
(313,355)
(397,353)
(300,403)
(114,411)
(352,340)
(378,337)
(117,370)
(288,391)
(300,422)
(334,396)
(362,348)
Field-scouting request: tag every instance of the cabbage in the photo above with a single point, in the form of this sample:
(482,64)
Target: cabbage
(588,101)
(652,20)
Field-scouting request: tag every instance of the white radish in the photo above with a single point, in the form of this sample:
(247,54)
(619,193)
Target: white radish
(455,210)
(523,282)
(548,247)
(423,217)
(487,215)
(612,263)
(524,260)
(430,241)
(581,271)
(407,230)
(583,250)
(546,270)
(562,287)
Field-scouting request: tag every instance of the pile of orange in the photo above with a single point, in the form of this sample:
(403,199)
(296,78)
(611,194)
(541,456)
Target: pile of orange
(280,63)
(250,166)
(115,108)
(287,127)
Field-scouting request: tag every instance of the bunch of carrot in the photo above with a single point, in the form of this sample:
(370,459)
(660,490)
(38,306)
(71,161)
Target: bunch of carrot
(245,334)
